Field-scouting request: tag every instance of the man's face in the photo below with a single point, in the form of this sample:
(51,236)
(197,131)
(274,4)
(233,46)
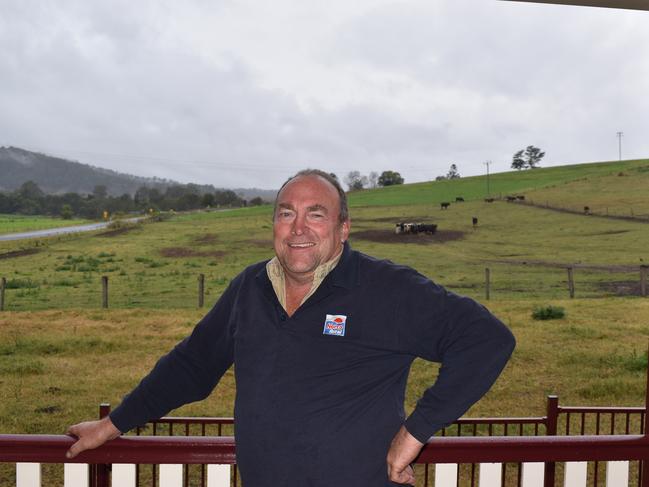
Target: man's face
(306,229)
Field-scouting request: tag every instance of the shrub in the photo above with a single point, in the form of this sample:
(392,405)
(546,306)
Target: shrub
(548,313)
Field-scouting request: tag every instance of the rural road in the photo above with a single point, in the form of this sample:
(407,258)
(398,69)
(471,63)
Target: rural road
(59,231)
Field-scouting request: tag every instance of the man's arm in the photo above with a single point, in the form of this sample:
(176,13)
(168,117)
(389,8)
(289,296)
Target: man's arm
(187,374)
(473,347)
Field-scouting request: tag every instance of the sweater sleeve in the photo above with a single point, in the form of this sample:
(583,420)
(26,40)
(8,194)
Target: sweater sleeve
(472,345)
(186,374)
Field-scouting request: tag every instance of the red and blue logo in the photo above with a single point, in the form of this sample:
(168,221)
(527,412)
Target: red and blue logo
(335,325)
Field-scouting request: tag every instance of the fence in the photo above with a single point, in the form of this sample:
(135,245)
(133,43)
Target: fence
(531,278)
(466,453)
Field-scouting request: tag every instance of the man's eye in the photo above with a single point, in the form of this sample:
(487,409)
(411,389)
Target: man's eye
(317,216)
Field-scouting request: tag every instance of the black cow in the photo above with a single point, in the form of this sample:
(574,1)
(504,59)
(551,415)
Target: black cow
(489,200)
(459,199)
(475,222)
(444,205)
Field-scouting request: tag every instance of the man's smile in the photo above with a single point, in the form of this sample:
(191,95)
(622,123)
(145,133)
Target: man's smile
(303,245)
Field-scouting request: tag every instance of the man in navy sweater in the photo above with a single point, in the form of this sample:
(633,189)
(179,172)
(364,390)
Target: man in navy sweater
(322,338)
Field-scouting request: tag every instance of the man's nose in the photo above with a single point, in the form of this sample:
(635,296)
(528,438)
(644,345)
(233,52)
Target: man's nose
(298,225)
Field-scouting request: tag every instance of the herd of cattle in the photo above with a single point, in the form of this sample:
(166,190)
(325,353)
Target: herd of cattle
(430,228)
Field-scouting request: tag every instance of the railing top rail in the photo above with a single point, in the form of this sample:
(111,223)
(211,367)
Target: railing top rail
(527,420)
(602,409)
(125,449)
(192,420)
(210,449)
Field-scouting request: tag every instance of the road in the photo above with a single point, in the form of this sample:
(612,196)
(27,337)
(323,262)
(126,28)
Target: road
(50,232)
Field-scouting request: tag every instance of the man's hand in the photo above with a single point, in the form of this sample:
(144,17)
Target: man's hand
(403,451)
(91,434)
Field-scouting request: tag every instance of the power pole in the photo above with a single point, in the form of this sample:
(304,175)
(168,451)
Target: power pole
(486,163)
(619,144)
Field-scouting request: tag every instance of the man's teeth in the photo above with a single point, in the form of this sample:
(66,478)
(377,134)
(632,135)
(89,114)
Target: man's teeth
(302,245)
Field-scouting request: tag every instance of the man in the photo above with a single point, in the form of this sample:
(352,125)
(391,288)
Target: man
(322,338)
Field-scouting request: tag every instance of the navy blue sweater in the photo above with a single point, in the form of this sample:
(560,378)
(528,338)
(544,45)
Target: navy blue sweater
(318,400)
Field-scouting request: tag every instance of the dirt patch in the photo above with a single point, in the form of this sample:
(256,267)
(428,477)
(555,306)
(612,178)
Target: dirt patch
(187,252)
(563,265)
(388,236)
(264,244)
(609,232)
(18,253)
(621,288)
(392,219)
(208,238)
(116,232)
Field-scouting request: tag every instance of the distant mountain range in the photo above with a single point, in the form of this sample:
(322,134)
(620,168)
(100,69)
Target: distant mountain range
(56,175)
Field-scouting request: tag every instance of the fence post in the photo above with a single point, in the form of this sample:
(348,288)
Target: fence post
(3,284)
(104,291)
(571,283)
(487,279)
(551,430)
(201,290)
(99,473)
(643,281)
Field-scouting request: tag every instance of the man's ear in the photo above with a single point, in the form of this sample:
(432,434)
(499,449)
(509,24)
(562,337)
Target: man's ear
(344,230)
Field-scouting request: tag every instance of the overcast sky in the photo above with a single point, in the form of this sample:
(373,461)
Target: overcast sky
(244,93)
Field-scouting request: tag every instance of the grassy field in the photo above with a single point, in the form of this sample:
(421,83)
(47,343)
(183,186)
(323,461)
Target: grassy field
(500,185)
(54,331)
(25,223)
(57,366)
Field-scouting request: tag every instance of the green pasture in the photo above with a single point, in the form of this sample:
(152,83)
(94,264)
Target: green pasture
(156,265)
(61,354)
(500,184)
(26,223)
(58,365)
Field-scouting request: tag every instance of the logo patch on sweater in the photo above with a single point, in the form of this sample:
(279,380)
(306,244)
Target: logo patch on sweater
(335,325)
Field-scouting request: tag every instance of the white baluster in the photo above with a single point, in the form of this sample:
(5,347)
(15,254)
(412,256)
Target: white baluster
(171,475)
(490,474)
(533,474)
(218,476)
(75,475)
(446,474)
(575,474)
(123,475)
(28,474)
(617,474)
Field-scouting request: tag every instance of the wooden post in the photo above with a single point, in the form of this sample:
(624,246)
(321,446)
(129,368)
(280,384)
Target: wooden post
(643,281)
(201,290)
(487,279)
(571,283)
(3,285)
(551,430)
(104,291)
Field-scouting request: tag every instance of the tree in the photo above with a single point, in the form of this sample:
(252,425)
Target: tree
(533,156)
(452,173)
(517,161)
(100,191)
(66,212)
(527,158)
(390,178)
(355,180)
(373,179)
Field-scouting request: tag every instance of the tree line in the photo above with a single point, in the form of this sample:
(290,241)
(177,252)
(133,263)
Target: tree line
(29,199)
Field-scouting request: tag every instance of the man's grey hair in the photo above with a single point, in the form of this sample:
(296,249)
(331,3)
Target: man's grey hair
(343,216)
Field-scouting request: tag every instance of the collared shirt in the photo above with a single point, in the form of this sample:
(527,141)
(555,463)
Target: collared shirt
(277,277)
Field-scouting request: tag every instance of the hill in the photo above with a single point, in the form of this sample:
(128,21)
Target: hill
(56,175)
(499,184)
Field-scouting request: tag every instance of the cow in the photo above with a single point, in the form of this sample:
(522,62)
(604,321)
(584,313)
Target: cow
(444,205)
(520,197)
(475,222)
(586,210)
(459,199)
(511,198)
(489,200)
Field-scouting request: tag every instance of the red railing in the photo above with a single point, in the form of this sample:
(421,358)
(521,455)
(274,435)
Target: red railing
(220,450)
